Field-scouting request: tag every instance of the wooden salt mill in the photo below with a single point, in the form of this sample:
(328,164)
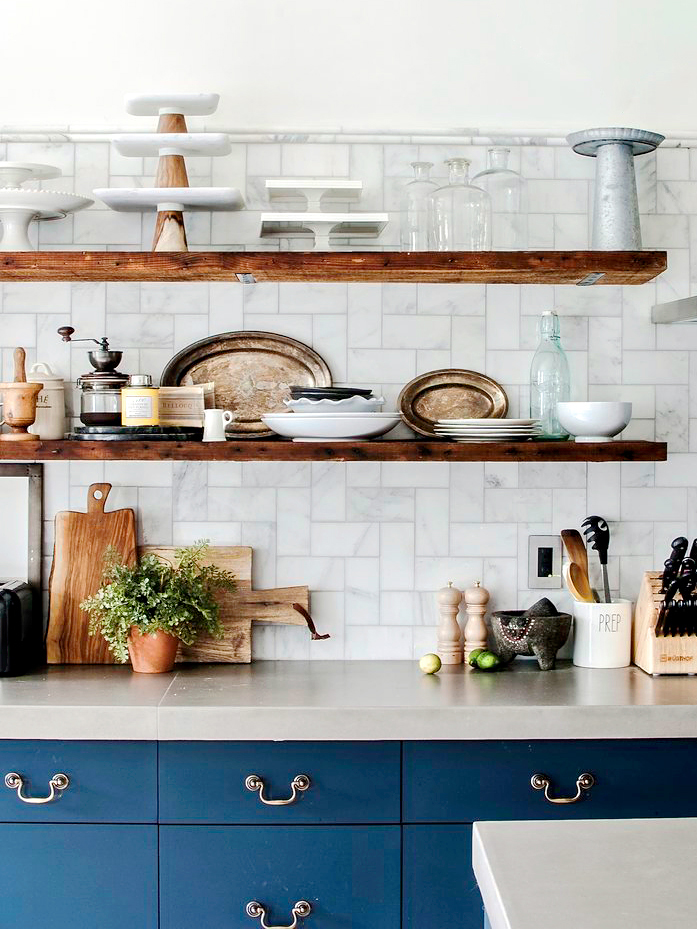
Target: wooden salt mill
(19,403)
(476,633)
(449,633)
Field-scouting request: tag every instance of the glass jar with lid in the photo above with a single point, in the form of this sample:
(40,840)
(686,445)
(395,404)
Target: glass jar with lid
(414,207)
(100,401)
(509,201)
(460,212)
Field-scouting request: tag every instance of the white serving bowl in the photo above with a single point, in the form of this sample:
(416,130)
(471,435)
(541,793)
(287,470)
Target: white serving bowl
(346,405)
(334,427)
(595,421)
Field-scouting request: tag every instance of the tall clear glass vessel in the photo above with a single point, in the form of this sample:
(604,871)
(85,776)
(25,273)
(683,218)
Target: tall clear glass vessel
(509,201)
(550,381)
(414,206)
(460,213)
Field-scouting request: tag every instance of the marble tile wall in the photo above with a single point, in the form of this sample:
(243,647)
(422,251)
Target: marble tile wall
(374,541)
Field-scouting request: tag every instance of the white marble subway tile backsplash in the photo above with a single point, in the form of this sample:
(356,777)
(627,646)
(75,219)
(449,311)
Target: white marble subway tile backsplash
(375,541)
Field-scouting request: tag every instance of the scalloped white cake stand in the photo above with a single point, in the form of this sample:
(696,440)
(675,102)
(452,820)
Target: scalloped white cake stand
(18,207)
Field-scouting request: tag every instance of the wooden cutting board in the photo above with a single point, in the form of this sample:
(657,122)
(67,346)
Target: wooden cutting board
(81,540)
(241,607)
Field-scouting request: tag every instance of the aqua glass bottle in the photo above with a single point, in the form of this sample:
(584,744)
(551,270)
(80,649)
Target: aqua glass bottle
(550,381)
(414,208)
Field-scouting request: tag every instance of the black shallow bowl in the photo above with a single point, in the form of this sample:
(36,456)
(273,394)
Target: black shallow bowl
(329,393)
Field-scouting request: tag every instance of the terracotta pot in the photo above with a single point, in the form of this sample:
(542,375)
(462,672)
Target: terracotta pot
(152,653)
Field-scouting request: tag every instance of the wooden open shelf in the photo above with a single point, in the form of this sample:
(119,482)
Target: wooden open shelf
(379,267)
(284,450)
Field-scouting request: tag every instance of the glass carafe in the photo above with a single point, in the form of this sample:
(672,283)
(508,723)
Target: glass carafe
(509,201)
(460,213)
(414,219)
(550,381)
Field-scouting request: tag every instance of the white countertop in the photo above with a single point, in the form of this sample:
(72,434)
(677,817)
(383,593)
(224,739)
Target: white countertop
(352,700)
(602,874)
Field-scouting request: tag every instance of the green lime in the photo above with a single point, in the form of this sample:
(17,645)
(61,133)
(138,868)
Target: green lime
(430,664)
(488,661)
(474,655)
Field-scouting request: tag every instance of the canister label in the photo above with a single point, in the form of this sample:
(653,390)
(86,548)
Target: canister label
(138,407)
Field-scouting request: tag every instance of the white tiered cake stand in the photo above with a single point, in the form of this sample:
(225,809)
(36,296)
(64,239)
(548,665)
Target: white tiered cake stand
(171,196)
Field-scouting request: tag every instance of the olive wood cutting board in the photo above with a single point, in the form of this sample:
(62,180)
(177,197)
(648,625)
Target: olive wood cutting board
(239,608)
(81,539)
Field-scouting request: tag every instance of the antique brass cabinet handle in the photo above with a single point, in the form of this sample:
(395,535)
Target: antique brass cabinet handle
(542,782)
(299,783)
(257,911)
(58,782)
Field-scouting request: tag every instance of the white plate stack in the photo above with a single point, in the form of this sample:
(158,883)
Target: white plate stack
(488,430)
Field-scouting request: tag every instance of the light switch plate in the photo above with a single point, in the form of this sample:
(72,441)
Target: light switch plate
(544,561)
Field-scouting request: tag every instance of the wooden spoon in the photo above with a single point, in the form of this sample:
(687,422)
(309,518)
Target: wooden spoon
(577,582)
(575,547)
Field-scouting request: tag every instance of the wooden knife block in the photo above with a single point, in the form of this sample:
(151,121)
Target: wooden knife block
(659,654)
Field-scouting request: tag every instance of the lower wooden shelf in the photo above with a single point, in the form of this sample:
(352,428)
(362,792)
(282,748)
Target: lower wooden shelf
(283,450)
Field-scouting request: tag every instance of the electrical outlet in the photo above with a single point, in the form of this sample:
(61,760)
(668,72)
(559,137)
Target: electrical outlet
(544,561)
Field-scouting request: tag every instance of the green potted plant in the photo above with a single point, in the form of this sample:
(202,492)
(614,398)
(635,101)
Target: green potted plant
(146,609)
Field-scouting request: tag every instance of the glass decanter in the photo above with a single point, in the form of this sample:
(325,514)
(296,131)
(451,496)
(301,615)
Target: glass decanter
(550,381)
(460,213)
(509,201)
(414,219)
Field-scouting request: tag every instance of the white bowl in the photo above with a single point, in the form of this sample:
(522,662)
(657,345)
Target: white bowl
(335,427)
(595,421)
(346,405)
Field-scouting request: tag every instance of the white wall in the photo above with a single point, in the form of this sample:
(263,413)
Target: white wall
(366,64)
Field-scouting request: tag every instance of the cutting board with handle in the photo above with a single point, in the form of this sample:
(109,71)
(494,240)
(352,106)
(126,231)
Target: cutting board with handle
(81,539)
(239,608)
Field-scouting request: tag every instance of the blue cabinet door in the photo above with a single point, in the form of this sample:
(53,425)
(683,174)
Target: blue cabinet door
(350,876)
(439,887)
(78,877)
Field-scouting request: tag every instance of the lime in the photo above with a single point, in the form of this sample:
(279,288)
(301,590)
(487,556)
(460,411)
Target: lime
(430,664)
(474,655)
(488,661)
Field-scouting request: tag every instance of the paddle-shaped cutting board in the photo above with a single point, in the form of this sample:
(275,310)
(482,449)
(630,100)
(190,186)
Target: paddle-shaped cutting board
(81,539)
(239,608)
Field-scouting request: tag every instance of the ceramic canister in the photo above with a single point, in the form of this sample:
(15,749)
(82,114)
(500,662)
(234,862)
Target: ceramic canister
(50,403)
(603,634)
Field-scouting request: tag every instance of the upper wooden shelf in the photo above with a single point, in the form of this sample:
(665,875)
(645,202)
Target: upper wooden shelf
(380,267)
(284,450)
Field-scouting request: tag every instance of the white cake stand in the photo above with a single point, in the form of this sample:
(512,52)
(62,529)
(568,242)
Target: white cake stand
(178,104)
(16,173)
(18,207)
(315,190)
(193,144)
(323,226)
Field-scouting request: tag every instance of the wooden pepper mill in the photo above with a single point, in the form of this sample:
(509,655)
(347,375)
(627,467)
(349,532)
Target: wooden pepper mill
(449,633)
(476,599)
(19,403)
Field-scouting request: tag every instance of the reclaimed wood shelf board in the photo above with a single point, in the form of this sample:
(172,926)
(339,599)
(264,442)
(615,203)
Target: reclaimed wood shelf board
(545,267)
(283,450)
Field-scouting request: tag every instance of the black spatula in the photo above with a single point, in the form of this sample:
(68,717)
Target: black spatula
(597,533)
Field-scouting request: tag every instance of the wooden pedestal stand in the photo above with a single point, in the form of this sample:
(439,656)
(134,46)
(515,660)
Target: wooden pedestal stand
(170,234)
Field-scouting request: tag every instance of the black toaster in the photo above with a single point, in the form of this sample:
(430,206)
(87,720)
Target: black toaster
(21,632)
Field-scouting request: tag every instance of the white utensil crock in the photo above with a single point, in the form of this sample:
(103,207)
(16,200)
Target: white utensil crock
(214,423)
(603,634)
(50,403)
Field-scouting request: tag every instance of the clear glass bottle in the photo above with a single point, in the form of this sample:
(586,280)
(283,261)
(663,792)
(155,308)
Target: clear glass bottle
(414,218)
(460,213)
(509,201)
(550,381)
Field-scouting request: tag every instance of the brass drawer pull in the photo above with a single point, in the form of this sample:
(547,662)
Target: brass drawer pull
(542,782)
(58,782)
(257,911)
(299,783)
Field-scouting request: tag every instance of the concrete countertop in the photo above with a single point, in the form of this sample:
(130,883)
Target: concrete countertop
(601,874)
(337,700)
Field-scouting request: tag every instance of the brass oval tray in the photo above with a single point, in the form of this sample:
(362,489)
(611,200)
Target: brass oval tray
(252,372)
(450,393)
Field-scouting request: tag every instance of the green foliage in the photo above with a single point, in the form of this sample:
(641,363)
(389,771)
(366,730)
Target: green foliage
(155,595)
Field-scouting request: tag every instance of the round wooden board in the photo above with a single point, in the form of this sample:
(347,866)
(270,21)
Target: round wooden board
(450,393)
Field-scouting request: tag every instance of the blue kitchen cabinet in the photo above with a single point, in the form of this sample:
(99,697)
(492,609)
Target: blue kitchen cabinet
(349,875)
(439,887)
(74,877)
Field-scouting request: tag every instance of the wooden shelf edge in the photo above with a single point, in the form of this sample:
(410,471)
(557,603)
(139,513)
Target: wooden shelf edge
(530,267)
(281,450)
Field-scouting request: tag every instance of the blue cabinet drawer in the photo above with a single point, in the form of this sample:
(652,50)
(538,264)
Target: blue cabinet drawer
(469,781)
(75,877)
(344,782)
(349,875)
(108,782)
(439,884)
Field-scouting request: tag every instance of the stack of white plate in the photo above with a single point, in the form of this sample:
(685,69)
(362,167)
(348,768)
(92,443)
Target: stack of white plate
(336,427)
(488,430)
